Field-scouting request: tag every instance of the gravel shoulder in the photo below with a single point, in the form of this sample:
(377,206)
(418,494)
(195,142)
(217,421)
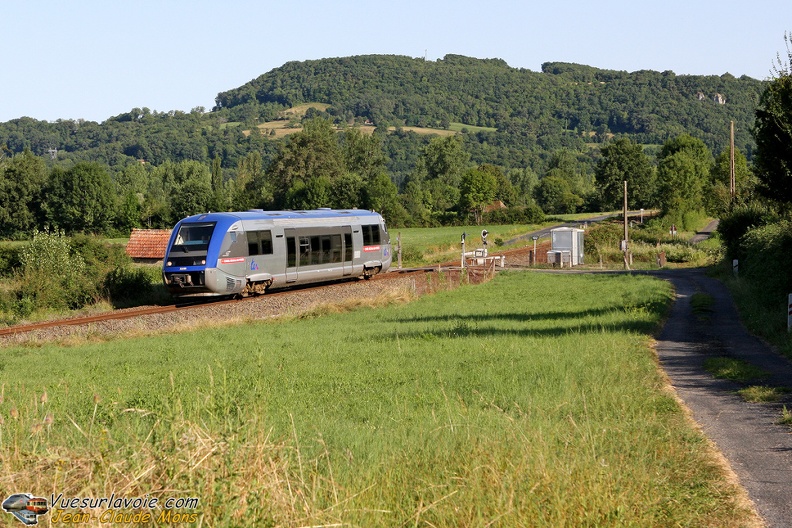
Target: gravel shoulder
(758,449)
(291,303)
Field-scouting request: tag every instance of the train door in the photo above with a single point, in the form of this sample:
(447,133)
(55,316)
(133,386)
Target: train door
(291,254)
(348,252)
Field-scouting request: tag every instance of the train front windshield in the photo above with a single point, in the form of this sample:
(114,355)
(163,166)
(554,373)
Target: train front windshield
(192,238)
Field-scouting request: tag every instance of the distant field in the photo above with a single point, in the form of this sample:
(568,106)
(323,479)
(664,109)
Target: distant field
(532,400)
(300,109)
(424,130)
(283,127)
(458,127)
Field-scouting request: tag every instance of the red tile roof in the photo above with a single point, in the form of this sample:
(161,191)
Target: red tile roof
(148,243)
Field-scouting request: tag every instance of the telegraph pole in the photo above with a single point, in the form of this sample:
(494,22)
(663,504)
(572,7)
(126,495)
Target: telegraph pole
(626,262)
(732,175)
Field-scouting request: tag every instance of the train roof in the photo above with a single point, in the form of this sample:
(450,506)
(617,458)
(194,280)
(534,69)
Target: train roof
(260,214)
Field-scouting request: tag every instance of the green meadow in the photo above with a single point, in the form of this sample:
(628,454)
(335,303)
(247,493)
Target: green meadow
(530,400)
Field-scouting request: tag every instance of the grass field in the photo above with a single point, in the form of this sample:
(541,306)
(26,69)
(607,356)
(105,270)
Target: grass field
(422,245)
(531,400)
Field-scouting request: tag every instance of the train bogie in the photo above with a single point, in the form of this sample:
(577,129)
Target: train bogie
(250,252)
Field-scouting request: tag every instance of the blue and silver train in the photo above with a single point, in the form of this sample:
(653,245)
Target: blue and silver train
(243,253)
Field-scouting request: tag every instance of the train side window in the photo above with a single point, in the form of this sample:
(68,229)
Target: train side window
(335,248)
(265,238)
(316,250)
(259,242)
(348,251)
(326,256)
(253,243)
(291,252)
(305,251)
(371,235)
(234,245)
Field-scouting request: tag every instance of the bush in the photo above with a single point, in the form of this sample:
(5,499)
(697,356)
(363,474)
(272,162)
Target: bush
(603,240)
(736,223)
(9,260)
(124,284)
(100,257)
(52,276)
(530,214)
(766,252)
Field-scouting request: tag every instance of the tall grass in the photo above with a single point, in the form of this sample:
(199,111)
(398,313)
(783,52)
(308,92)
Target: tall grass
(646,242)
(531,400)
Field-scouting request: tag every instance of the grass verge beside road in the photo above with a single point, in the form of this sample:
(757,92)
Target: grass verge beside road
(531,400)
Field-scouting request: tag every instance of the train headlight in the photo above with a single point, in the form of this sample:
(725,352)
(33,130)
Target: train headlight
(170,263)
(203,262)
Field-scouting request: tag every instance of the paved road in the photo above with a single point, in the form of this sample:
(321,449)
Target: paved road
(758,449)
(705,233)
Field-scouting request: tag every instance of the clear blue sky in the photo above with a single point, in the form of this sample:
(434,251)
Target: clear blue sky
(94,59)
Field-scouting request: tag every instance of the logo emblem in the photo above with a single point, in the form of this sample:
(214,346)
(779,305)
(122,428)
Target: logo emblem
(25,507)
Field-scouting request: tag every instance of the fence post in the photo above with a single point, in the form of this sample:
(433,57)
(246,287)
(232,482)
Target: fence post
(789,314)
(398,240)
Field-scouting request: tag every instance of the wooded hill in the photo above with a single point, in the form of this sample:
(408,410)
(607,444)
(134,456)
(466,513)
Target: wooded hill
(568,106)
(564,105)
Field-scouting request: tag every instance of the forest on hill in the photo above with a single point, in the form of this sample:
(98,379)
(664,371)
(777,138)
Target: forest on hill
(563,105)
(534,113)
(516,127)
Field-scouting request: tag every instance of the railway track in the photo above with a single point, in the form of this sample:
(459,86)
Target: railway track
(109,316)
(186,306)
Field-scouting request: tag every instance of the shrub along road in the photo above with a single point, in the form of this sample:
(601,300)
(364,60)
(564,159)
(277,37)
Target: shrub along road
(758,448)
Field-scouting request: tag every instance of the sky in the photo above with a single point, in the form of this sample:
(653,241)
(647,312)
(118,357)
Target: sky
(95,59)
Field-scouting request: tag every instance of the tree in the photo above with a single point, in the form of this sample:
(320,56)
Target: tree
(416,202)
(310,193)
(80,199)
(380,194)
(773,134)
(444,160)
(22,178)
(683,170)
(309,155)
(221,201)
(554,195)
(191,192)
(717,198)
(128,212)
(523,181)
(250,186)
(477,190)
(564,165)
(363,153)
(191,197)
(346,191)
(623,160)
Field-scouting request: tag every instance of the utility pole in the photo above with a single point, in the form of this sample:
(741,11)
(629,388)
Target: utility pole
(626,262)
(732,175)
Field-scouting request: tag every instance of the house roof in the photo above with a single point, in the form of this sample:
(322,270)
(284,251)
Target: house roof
(148,243)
